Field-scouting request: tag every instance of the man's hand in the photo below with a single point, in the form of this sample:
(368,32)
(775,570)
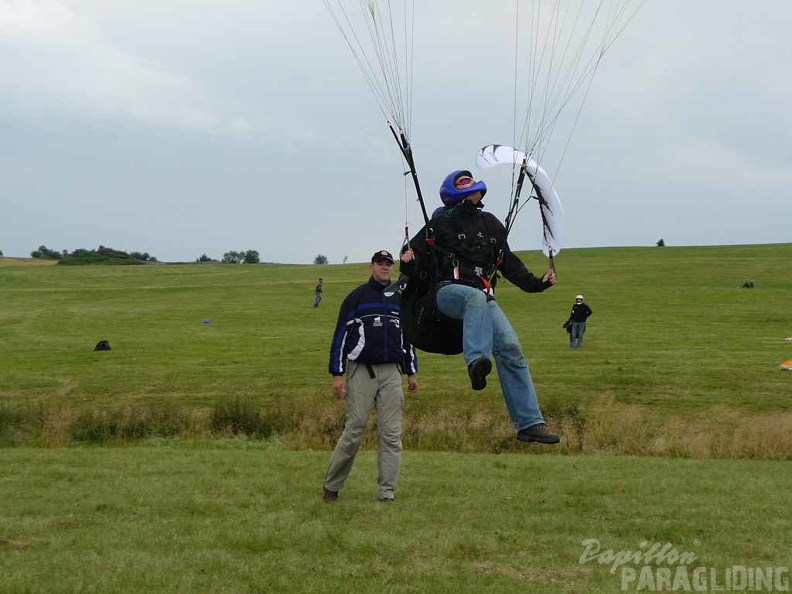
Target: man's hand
(412,383)
(550,277)
(408,256)
(339,386)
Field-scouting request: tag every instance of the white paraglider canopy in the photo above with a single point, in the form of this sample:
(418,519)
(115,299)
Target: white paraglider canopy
(543,190)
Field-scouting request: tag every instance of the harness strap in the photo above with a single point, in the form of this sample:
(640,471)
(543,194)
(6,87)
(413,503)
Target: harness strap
(487,285)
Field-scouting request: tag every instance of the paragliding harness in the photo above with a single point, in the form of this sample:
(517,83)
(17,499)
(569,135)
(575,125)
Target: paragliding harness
(427,328)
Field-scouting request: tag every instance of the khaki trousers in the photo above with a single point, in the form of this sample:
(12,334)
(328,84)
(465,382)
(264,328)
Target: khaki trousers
(384,392)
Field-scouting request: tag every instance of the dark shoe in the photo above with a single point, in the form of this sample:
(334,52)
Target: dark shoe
(478,371)
(330,496)
(539,434)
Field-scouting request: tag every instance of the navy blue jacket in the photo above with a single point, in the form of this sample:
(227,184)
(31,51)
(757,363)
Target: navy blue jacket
(369,331)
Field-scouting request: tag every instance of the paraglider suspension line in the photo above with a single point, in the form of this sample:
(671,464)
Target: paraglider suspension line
(406,151)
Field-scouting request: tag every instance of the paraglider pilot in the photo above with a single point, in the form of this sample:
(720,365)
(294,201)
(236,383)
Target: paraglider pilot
(472,247)
(578,316)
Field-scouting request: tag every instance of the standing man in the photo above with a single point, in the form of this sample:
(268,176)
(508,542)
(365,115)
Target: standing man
(318,298)
(578,316)
(471,248)
(369,346)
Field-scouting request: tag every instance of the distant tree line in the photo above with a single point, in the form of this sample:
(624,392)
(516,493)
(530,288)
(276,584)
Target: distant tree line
(106,255)
(101,255)
(233,257)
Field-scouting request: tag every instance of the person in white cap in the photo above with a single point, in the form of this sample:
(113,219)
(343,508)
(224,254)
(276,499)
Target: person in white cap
(578,316)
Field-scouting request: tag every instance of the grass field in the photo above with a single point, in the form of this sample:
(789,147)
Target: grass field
(239,517)
(215,410)
(680,360)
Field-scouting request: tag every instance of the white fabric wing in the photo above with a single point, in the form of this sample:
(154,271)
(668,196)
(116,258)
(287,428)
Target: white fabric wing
(498,154)
(549,203)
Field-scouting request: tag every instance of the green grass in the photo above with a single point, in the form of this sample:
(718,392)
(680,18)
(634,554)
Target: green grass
(238,516)
(680,363)
(673,336)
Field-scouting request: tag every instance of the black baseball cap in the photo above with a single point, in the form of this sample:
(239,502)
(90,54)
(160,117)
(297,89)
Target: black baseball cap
(382,255)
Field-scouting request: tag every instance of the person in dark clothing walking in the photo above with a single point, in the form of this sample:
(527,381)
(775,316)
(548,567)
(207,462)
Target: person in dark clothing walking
(578,316)
(318,291)
(368,344)
(471,250)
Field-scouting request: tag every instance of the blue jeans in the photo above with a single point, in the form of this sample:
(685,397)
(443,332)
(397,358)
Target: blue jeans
(318,299)
(576,336)
(486,332)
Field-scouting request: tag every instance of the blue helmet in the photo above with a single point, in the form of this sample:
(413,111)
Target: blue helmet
(451,195)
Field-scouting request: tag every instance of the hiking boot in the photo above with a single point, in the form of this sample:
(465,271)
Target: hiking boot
(478,371)
(539,434)
(388,497)
(330,496)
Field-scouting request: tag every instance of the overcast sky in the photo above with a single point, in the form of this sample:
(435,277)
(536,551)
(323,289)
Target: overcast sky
(184,127)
